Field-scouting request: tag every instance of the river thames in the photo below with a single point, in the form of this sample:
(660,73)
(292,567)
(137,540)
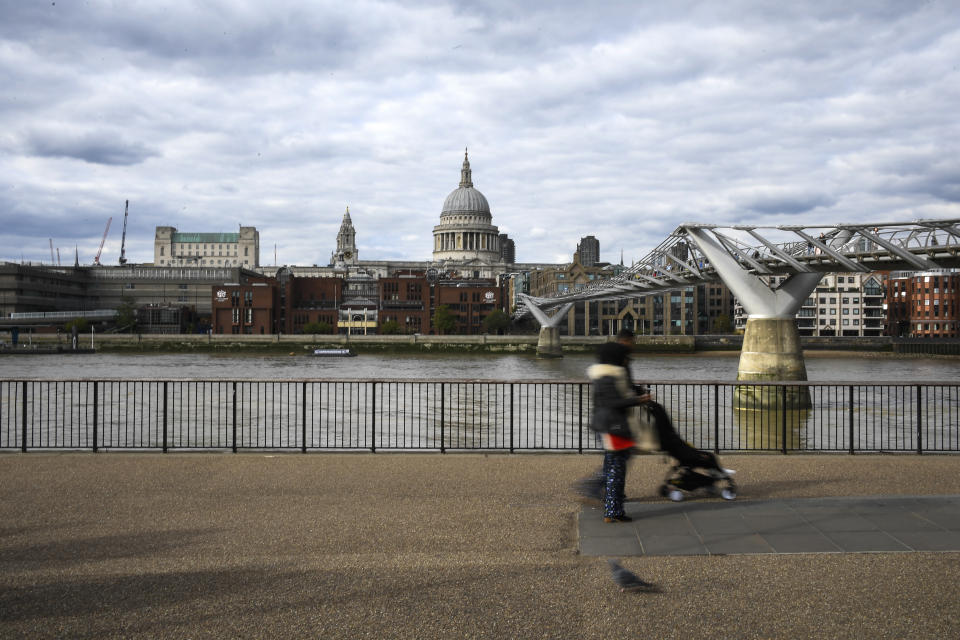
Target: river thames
(712,366)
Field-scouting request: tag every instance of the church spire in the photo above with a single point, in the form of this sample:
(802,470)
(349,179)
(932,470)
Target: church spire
(465,178)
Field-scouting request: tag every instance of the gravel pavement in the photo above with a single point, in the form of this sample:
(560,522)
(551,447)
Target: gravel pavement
(261,545)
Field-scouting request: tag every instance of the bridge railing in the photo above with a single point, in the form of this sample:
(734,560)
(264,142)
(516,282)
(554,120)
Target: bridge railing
(463,415)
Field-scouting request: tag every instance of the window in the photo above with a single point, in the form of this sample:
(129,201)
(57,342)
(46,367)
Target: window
(161,253)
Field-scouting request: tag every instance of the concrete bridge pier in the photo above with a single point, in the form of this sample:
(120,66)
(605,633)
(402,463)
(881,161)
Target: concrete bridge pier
(548,346)
(771,351)
(771,343)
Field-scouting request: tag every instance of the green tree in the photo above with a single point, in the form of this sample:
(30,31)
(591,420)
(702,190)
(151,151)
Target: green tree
(81,323)
(317,327)
(390,327)
(443,320)
(722,324)
(496,321)
(126,316)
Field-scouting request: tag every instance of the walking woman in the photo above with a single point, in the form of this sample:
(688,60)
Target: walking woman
(614,417)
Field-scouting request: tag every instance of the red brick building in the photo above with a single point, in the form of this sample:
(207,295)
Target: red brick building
(310,300)
(470,302)
(923,304)
(261,305)
(247,307)
(405,299)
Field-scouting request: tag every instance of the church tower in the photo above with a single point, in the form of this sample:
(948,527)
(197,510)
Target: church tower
(346,252)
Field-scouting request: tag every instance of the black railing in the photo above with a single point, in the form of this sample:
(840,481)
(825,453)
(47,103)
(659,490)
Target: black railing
(467,415)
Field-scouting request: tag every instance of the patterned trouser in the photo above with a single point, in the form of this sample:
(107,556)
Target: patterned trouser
(615,472)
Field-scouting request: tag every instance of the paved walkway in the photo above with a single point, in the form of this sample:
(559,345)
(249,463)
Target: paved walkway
(431,546)
(814,525)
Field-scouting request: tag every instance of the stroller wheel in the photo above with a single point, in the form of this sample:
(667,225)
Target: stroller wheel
(728,493)
(676,495)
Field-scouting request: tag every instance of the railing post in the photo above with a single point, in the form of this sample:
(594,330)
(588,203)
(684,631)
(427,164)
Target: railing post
(443,397)
(783,418)
(96,413)
(234,424)
(580,418)
(919,420)
(164,417)
(850,419)
(373,418)
(23,417)
(511,417)
(303,418)
(716,418)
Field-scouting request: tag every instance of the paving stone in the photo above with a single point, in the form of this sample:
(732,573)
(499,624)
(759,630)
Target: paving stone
(801,543)
(736,544)
(822,525)
(863,541)
(836,522)
(929,540)
(685,545)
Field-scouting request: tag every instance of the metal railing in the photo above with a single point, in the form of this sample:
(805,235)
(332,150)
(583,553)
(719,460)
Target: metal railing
(446,415)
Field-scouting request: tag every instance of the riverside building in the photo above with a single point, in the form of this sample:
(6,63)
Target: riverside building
(923,304)
(172,248)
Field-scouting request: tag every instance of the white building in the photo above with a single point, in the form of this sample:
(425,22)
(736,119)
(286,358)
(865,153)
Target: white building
(843,304)
(172,248)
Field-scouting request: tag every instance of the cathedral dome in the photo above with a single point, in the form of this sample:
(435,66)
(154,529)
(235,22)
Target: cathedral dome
(466,199)
(466,230)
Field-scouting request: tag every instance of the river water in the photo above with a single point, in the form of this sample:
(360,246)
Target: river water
(714,367)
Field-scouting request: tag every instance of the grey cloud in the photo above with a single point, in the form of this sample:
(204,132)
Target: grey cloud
(784,201)
(101,147)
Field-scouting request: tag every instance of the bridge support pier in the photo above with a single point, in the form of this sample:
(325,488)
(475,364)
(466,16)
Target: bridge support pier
(771,351)
(771,343)
(548,346)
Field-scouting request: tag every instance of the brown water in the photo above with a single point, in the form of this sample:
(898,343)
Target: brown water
(720,367)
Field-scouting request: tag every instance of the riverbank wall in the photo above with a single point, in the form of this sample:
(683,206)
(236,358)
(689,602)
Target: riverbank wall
(417,344)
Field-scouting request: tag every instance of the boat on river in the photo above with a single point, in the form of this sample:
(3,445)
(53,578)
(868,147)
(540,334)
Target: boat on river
(333,353)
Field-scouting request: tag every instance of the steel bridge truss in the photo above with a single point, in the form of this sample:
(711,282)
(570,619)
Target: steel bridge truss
(682,259)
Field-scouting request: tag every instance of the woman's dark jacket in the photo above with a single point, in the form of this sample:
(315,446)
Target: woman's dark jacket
(613,397)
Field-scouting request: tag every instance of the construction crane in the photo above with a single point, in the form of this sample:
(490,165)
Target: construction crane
(52,261)
(96,258)
(123,240)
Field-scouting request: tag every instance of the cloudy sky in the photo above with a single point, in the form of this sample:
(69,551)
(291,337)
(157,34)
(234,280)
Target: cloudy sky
(616,119)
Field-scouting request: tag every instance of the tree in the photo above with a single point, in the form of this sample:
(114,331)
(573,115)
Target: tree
(126,316)
(496,321)
(317,327)
(389,328)
(443,320)
(722,324)
(81,324)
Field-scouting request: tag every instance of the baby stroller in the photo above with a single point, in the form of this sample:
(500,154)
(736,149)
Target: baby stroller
(694,470)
